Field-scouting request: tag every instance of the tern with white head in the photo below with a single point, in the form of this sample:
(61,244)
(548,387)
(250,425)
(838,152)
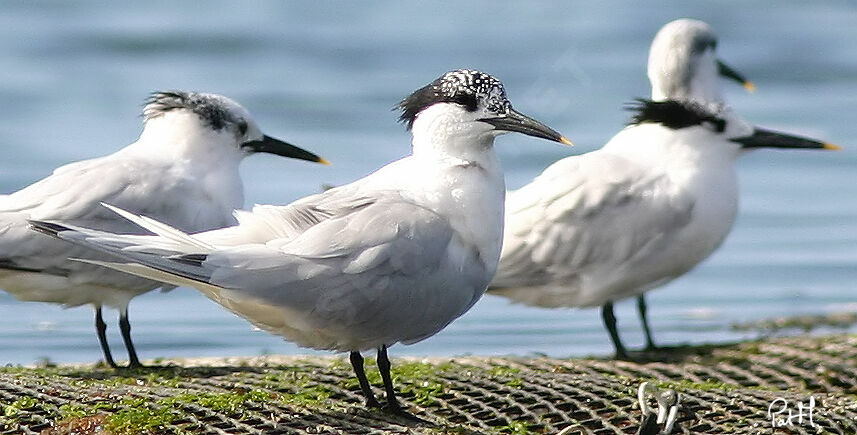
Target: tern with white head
(650,205)
(683,64)
(183,170)
(392,257)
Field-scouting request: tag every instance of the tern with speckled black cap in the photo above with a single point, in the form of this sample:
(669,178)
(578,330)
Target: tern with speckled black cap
(390,258)
(183,170)
(646,208)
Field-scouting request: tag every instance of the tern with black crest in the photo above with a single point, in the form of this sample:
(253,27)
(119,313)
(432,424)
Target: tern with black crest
(646,208)
(183,171)
(390,258)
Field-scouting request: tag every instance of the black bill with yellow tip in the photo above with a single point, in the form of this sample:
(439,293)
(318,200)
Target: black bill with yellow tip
(730,73)
(762,138)
(271,145)
(515,121)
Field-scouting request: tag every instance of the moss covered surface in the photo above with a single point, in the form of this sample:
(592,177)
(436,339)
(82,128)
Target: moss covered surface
(724,388)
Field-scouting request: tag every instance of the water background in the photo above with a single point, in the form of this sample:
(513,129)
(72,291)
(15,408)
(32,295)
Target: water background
(325,75)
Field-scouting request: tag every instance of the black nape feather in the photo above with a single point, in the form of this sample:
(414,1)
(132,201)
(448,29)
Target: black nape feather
(428,95)
(673,114)
(209,109)
(463,87)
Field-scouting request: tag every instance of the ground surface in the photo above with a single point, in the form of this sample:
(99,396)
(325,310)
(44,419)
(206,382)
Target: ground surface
(724,389)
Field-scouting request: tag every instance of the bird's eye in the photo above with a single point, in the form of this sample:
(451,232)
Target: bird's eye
(469,101)
(717,125)
(242,127)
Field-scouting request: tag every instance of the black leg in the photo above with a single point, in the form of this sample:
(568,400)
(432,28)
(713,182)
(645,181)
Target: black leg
(100,329)
(125,327)
(393,406)
(357,364)
(610,323)
(642,309)
(384,367)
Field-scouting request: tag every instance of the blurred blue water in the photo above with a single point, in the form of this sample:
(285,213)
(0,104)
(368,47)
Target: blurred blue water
(325,75)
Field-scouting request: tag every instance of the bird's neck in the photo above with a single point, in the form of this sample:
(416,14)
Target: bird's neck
(181,137)
(684,153)
(443,139)
(189,152)
(466,184)
(680,80)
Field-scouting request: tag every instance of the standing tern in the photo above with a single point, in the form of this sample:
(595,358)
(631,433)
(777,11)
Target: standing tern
(683,66)
(182,170)
(650,205)
(392,257)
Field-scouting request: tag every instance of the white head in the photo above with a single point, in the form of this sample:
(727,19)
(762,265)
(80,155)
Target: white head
(683,64)
(463,111)
(191,124)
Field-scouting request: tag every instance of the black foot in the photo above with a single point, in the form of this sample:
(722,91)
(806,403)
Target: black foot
(373,404)
(136,365)
(396,410)
(622,356)
(393,407)
(652,348)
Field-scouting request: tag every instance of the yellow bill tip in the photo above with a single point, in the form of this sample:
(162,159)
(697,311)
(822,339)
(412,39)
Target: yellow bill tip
(564,140)
(830,146)
(323,161)
(750,86)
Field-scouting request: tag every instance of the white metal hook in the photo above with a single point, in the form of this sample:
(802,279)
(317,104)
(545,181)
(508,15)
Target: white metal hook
(668,405)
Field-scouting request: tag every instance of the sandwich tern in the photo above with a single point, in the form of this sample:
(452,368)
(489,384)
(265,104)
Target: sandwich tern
(683,66)
(182,170)
(392,257)
(650,205)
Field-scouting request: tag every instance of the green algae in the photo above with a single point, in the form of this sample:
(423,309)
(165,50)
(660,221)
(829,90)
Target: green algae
(137,415)
(471,395)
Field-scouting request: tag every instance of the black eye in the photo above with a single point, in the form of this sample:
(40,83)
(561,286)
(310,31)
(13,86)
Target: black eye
(702,44)
(469,101)
(717,124)
(242,127)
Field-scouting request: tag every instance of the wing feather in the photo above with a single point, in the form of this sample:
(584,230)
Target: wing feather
(73,194)
(360,264)
(585,217)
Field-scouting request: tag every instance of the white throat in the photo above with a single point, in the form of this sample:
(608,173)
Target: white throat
(182,136)
(456,156)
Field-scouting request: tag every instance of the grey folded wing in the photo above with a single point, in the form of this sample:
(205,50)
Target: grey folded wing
(361,264)
(585,212)
(73,194)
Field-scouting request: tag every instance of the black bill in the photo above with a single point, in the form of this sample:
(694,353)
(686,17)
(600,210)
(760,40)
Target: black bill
(271,145)
(728,72)
(515,121)
(762,138)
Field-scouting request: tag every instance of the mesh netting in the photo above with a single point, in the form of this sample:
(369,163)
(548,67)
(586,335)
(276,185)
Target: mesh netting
(724,389)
